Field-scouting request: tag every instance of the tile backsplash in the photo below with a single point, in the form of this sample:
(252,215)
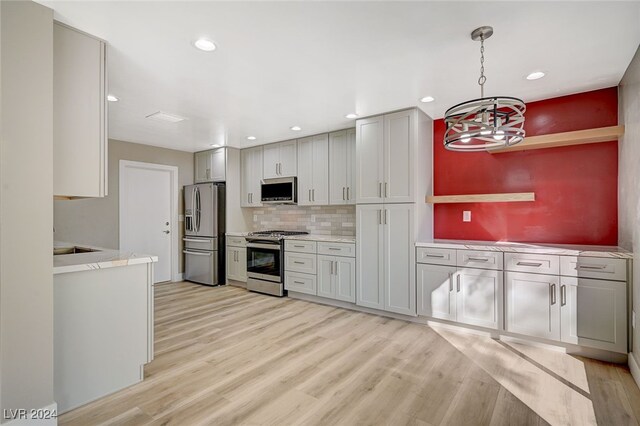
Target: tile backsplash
(323,220)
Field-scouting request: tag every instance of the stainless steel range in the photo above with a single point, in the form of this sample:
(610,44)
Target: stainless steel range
(265,263)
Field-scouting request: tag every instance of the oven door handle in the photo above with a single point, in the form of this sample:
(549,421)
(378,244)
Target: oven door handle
(274,247)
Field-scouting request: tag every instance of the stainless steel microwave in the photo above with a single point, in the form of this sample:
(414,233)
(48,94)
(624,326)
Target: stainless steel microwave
(279,191)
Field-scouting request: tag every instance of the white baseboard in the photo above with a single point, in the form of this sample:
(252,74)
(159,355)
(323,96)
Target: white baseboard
(178,277)
(45,416)
(635,368)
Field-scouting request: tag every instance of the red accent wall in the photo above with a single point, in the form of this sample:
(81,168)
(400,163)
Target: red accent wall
(576,187)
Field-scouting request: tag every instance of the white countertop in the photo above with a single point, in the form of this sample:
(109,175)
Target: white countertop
(236,234)
(554,249)
(327,238)
(104,258)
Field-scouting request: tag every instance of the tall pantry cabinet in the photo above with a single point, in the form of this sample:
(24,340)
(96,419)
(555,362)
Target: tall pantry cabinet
(393,176)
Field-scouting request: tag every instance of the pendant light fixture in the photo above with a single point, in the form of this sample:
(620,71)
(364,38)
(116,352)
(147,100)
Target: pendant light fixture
(484,123)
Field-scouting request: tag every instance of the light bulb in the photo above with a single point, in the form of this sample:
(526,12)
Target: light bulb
(465,138)
(485,131)
(499,135)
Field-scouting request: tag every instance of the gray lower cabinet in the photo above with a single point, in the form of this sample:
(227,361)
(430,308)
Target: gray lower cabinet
(337,278)
(468,295)
(533,307)
(309,270)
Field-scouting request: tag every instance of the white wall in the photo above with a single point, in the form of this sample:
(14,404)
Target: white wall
(26,205)
(629,181)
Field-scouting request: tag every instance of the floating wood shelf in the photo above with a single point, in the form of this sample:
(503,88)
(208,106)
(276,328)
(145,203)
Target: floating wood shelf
(481,198)
(578,137)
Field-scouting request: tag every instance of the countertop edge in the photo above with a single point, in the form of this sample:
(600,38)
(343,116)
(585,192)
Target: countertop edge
(586,251)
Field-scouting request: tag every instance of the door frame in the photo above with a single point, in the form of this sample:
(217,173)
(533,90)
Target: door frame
(174,213)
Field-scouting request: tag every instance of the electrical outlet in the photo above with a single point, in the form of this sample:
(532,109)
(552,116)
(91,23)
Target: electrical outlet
(633,319)
(466,216)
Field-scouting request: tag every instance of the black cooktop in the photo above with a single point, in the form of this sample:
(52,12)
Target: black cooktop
(276,233)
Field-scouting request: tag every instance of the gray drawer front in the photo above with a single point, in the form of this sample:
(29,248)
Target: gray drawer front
(300,262)
(534,263)
(300,246)
(436,256)
(302,283)
(236,241)
(337,249)
(480,259)
(594,267)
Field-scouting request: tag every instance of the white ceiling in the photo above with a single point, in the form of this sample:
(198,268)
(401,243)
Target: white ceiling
(280,64)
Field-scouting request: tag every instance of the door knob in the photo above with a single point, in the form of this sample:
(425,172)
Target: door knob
(166,232)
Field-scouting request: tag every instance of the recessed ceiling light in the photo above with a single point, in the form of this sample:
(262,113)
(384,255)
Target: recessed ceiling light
(427,99)
(112,98)
(251,138)
(351,115)
(163,116)
(296,128)
(205,44)
(535,75)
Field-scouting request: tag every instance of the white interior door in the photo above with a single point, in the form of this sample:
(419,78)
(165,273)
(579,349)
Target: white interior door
(148,207)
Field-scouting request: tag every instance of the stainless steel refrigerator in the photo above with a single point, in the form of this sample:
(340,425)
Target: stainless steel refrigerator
(204,223)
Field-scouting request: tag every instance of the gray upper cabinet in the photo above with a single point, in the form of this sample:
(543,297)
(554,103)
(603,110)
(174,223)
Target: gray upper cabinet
(313,178)
(280,159)
(387,153)
(79,114)
(210,166)
(342,167)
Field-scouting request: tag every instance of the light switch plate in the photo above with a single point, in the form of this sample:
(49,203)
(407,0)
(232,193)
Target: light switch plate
(466,216)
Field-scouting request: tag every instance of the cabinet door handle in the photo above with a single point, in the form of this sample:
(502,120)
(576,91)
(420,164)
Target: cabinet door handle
(309,196)
(313,194)
(343,196)
(348,194)
(385,190)
(450,281)
(379,217)
(478,259)
(533,264)
(552,293)
(458,283)
(248,198)
(563,295)
(385,216)
(333,265)
(280,168)
(276,168)
(380,189)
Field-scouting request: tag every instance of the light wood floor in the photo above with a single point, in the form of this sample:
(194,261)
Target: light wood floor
(227,356)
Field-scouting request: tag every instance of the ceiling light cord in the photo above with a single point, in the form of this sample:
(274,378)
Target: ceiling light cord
(483,78)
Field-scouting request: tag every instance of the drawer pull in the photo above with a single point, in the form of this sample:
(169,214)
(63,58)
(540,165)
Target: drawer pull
(439,256)
(334,248)
(478,259)
(298,282)
(299,263)
(296,246)
(533,264)
(598,267)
